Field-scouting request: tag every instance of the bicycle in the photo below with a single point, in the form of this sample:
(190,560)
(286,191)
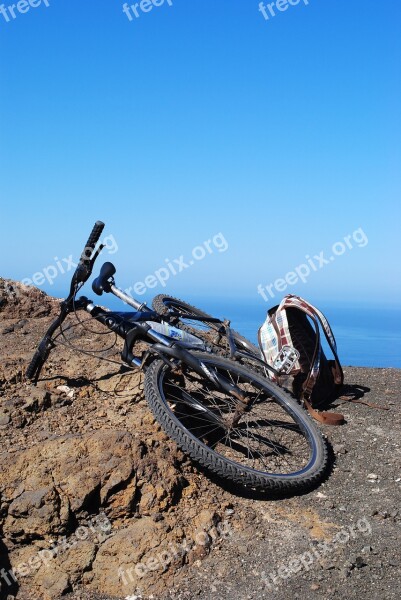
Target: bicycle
(228,419)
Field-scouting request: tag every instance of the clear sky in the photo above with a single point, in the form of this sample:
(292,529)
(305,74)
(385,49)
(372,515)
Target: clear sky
(203,118)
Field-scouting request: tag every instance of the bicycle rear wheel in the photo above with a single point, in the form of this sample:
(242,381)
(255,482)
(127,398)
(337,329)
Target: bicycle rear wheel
(274,445)
(211,332)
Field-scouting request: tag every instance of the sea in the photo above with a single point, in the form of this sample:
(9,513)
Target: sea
(367,336)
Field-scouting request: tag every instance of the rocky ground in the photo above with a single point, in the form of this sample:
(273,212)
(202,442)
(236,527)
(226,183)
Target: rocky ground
(97,503)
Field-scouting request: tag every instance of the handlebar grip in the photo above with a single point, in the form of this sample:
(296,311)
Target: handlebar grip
(34,365)
(92,240)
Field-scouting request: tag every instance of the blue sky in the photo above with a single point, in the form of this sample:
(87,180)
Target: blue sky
(200,118)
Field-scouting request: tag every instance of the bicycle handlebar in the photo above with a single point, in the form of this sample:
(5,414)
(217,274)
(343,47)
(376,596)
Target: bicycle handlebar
(84,268)
(34,365)
(92,241)
(81,275)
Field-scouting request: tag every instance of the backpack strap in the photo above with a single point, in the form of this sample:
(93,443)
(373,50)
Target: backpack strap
(325,417)
(281,333)
(365,402)
(338,372)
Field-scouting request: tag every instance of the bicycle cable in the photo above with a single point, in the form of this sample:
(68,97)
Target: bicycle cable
(67,343)
(81,322)
(115,391)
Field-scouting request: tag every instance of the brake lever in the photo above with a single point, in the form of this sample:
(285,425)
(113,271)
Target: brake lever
(84,271)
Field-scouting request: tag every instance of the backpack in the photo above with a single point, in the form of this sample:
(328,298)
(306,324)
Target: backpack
(290,341)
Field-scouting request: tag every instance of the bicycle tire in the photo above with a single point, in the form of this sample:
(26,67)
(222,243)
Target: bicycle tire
(164,395)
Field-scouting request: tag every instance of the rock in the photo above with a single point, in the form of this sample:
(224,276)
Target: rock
(206,520)
(127,387)
(4,419)
(8,329)
(18,301)
(77,559)
(37,400)
(339,449)
(64,476)
(127,556)
(359,562)
(19,421)
(157,517)
(356,562)
(373,477)
(71,458)
(66,390)
(198,553)
(36,512)
(53,581)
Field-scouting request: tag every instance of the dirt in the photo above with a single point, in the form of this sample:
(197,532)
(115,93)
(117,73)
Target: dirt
(97,503)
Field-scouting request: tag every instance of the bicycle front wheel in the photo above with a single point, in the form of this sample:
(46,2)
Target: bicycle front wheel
(273,445)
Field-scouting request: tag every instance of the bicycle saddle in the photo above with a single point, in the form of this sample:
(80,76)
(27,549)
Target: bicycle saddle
(101,283)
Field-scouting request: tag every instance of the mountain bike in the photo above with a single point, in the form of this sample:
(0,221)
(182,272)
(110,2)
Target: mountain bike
(226,417)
